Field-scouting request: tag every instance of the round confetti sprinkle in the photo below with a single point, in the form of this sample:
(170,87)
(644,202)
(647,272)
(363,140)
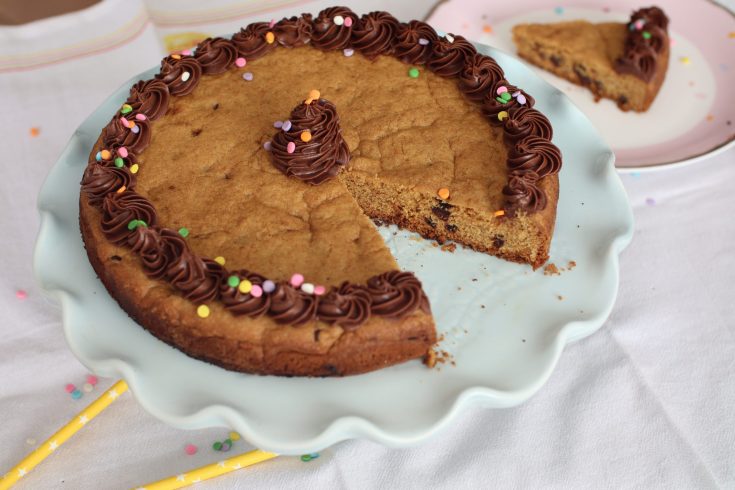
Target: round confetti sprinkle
(140,117)
(278,124)
(443,193)
(639,24)
(505,96)
(502,115)
(119,162)
(98,156)
(558,10)
(240,62)
(319,290)
(291,147)
(296,280)
(203,311)
(35,131)
(413,72)
(184,232)
(487,29)
(136,223)
(267,146)
(233,281)
(135,129)
(126,108)
(646,35)
(69,388)
(134,168)
(650,201)
(306,136)
(338,20)
(423,41)
(21,294)
(245,286)
(122,151)
(190,449)
(308,288)
(348,52)
(31,441)
(272,23)
(348,21)
(176,56)
(186,52)
(685,60)
(226,446)
(87,387)
(449,38)
(247,76)
(501,90)
(499,213)
(270,37)
(521,99)
(256,292)
(217,446)
(124,122)
(121,189)
(314,94)
(92,379)
(105,154)
(286,125)
(234,436)
(185,76)
(220,260)
(308,457)
(269,286)
(76,394)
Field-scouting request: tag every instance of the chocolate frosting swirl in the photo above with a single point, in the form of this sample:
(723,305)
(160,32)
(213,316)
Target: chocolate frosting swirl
(407,47)
(116,135)
(347,306)
(534,154)
(119,209)
(653,16)
(479,75)
(395,294)
(215,55)
(293,32)
(146,242)
(289,305)
(640,56)
(99,180)
(374,34)
(327,35)
(322,157)
(149,97)
(447,58)
(173,71)
(245,303)
(522,192)
(525,122)
(250,41)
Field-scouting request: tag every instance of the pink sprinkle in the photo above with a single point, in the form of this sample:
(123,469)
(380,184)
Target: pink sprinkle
(297,280)
(639,24)
(124,122)
(256,291)
(122,151)
(502,89)
(272,23)
(21,294)
(319,290)
(92,379)
(190,449)
(186,52)
(69,388)
(140,117)
(291,147)
(240,62)
(267,146)
(348,21)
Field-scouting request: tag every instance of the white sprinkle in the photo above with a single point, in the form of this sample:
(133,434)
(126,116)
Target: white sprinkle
(278,124)
(247,76)
(348,52)
(286,125)
(338,20)
(87,387)
(185,76)
(31,441)
(267,146)
(308,288)
(449,38)
(423,41)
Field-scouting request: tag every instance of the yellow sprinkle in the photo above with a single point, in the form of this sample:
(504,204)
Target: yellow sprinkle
(234,436)
(443,193)
(498,213)
(121,190)
(176,56)
(220,260)
(685,60)
(306,136)
(502,115)
(134,168)
(245,286)
(731,35)
(314,94)
(105,154)
(131,125)
(270,37)
(308,101)
(203,311)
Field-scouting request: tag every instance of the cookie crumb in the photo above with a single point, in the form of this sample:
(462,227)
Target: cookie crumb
(551,270)
(449,247)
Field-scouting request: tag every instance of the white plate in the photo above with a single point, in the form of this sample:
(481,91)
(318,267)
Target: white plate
(504,325)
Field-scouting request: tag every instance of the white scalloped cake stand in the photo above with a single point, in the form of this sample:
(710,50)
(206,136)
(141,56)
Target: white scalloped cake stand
(504,325)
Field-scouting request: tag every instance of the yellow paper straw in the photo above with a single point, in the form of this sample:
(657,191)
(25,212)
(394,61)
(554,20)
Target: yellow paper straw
(210,471)
(62,435)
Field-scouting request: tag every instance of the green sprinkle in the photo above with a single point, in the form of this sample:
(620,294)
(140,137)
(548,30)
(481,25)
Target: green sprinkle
(126,108)
(184,232)
(502,101)
(646,35)
(119,162)
(136,223)
(306,457)
(233,282)
(505,96)
(217,446)
(413,72)
(229,441)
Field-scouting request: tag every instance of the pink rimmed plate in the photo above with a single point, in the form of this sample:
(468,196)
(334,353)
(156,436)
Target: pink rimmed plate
(694,113)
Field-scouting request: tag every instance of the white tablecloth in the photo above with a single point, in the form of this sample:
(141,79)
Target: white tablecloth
(648,401)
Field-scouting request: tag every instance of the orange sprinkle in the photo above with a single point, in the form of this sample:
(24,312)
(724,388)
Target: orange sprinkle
(731,35)
(308,101)
(105,154)
(121,190)
(314,94)
(443,193)
(306,136)
(270,38)
(499,213)
(710,117)
(35,131)
(486,28)
(176,56)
